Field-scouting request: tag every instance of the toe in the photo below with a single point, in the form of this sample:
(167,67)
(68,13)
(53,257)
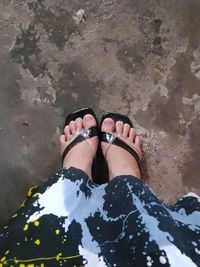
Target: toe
(62,139)
(72,127)
(137,141)
(126,129)
(119,128)
(67,132)
(108,125)
(88,121)
(132,134)
(79,124)
(138,146)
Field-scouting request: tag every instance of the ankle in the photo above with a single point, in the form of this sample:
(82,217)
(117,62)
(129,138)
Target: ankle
(128,171)
(125,165)
(78,160)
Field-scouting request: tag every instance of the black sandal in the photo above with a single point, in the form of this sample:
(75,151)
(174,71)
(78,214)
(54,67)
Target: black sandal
(85,134)
(114,140)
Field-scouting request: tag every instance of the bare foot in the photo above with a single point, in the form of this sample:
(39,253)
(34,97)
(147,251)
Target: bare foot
(81,155)
(121,162)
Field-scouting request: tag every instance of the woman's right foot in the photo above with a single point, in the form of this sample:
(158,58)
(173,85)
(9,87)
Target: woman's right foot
(82,154)
(120,161)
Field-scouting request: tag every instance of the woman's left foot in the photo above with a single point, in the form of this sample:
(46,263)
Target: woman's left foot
(81,155)
(120,161)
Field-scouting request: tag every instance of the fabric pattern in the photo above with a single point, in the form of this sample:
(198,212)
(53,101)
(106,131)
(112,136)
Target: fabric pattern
(72,221)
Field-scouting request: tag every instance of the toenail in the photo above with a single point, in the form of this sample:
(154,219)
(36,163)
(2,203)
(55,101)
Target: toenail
(89,118)
(108,121)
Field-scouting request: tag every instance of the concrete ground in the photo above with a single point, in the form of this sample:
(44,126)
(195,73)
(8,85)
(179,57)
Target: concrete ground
(137,57)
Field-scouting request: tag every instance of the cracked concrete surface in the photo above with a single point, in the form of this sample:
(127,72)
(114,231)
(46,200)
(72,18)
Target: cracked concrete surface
(141,58)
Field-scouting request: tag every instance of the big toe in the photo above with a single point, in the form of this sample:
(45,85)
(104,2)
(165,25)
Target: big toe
(89,121)
(108,125)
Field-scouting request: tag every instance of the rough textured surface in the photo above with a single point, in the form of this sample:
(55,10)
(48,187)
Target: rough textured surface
(137,57)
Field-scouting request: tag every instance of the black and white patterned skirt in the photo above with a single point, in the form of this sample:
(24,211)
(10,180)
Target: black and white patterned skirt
(72,221)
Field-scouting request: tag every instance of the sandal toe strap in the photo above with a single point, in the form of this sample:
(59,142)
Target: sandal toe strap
(82,136)
(114,140)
